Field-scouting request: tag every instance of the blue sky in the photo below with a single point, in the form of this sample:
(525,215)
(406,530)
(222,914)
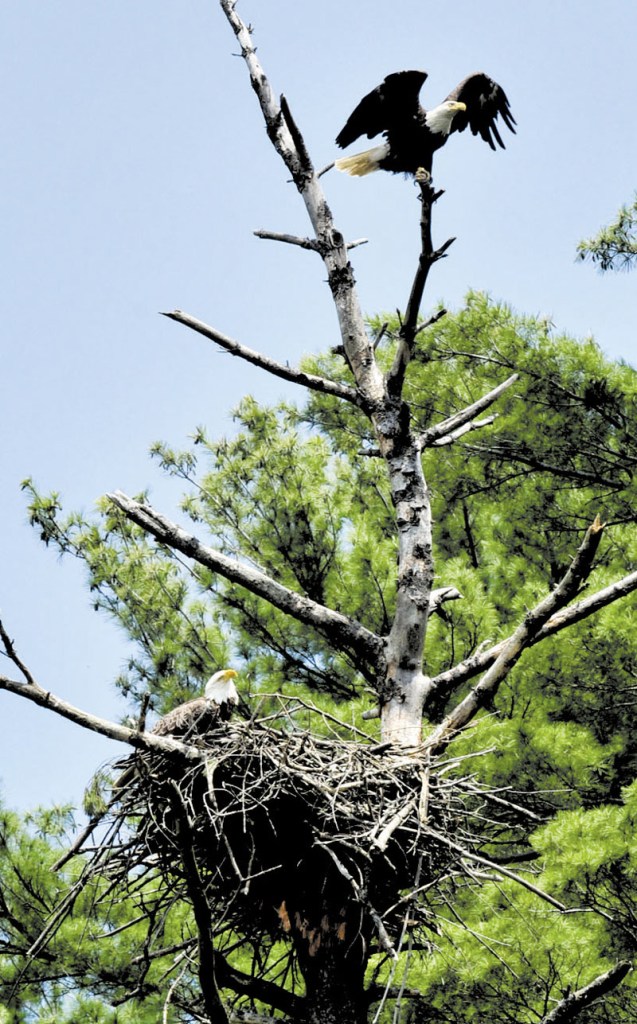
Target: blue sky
(135,168)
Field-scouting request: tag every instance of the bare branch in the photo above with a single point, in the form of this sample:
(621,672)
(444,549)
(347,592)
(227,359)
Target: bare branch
(439,433)
(288,142)
(573,1004)
(378,337)
(355,244)
(303,243)
(344,633)
(456,676)
(465,429)
(428,256)
(142,740)
(441,595)
(484,691)
(235,348)
(12,655)
(431,321)
(281,236)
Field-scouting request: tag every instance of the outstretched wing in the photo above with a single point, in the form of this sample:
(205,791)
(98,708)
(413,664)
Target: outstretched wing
(485,100)
(395,99)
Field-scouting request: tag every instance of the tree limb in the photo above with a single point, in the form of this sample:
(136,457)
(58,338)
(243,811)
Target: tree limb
(428,256)
(344,633)
(257,988)
(465,429)
(452,423)
(447,681)
(141,740)
(401,676)
(288,142)
(512,649)
(572,1004)
(235,348)
(303,243)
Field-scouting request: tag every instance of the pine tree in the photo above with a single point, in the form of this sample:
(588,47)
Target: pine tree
(381,836)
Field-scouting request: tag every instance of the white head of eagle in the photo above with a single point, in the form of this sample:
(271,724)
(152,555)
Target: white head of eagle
(413,134)
(220,688)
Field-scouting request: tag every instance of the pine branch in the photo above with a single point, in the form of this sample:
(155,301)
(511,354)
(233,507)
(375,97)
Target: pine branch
(235,348)
(501,870)
(573,1004)
(513,648)
(344,633)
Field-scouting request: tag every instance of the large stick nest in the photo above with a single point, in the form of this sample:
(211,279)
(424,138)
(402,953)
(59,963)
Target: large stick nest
(296,832)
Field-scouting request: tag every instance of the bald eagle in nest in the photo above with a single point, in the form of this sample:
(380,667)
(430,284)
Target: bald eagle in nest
(413,134)
(196,717)
(191,720)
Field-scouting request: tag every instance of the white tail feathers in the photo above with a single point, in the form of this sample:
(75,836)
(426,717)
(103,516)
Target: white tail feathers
(362,163)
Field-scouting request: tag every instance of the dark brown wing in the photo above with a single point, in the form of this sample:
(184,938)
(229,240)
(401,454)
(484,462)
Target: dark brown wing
(185,722)
(485,100)
(189,719)
(394,100)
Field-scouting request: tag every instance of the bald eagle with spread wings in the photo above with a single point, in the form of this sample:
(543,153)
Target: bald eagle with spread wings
(413,134)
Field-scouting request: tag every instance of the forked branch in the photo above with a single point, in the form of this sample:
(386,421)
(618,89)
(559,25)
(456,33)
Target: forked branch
(451,425)
(444,683)
(513,648)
